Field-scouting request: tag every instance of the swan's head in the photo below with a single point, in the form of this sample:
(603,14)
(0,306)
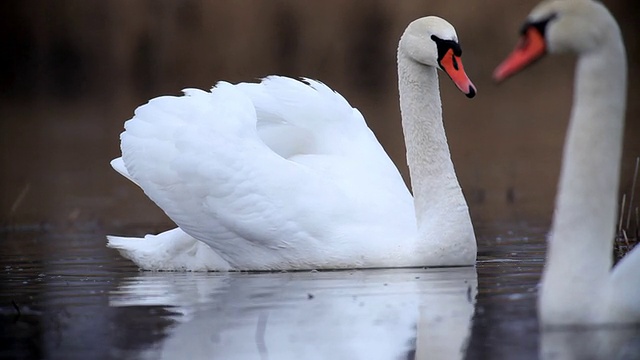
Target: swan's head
(556,26)
(432,41)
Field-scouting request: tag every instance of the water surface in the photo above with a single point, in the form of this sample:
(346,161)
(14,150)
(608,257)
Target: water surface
(64,296)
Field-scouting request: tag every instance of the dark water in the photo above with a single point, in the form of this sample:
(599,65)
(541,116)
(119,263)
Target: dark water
(65,296)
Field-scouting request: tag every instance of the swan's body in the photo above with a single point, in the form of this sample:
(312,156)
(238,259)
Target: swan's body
(285,174)
(579,285)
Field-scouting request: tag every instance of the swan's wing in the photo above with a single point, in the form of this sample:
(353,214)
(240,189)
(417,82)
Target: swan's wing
(311,124)
(309,118)
(201,158)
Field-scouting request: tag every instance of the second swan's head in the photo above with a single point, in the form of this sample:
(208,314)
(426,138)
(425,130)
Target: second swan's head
(432,41)
(556,26)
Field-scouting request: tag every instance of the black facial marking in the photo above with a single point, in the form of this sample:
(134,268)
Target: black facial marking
(540,25)
(446,45)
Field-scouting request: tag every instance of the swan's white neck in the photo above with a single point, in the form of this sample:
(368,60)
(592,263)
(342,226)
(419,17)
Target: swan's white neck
(441,210)
(579,256)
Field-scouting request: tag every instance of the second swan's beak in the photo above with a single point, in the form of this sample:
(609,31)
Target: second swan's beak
(530,48)
(452,65)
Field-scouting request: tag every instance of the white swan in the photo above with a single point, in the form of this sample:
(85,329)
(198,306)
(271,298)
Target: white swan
(578,284)
(285,174)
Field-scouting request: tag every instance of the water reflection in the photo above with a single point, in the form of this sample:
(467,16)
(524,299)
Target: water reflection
(75,299)
(367,314)
(591,343)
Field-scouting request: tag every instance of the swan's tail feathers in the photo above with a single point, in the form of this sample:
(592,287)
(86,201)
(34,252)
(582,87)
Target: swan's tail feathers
(118,165)
(172,250)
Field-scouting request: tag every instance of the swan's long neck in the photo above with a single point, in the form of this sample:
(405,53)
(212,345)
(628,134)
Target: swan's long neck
(433,179)
(579,255)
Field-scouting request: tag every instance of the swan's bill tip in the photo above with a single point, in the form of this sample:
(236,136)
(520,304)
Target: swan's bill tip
(472,92)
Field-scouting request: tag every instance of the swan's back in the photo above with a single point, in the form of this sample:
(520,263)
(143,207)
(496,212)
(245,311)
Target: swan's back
(280,165)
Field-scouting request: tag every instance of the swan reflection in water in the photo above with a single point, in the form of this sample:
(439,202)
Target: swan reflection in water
(364,314)
(601,342)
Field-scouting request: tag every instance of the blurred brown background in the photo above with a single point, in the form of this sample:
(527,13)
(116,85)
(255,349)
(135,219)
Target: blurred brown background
(72,71)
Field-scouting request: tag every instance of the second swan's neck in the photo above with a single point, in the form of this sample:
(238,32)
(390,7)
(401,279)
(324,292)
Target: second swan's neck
(580,245)
(433,179)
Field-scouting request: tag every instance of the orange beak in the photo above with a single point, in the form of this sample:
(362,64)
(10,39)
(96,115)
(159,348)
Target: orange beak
(530,48)
(452,65)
